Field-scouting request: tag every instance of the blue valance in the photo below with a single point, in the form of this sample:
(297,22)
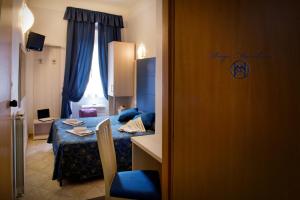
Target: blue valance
(89,16)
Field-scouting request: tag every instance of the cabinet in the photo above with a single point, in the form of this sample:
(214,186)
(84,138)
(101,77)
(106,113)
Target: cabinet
(121,58)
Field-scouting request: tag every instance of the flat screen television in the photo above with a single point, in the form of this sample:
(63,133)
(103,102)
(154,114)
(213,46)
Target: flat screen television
(35,41)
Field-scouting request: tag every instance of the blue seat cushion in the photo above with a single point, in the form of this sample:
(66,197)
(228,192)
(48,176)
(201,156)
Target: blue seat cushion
(137,184)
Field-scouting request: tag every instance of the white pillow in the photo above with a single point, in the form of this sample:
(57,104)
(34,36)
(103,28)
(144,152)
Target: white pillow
(133,126)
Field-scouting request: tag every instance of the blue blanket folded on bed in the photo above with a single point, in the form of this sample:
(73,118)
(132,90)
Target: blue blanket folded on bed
(77,158)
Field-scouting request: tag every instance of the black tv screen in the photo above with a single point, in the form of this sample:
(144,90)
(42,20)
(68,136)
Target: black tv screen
(35,41)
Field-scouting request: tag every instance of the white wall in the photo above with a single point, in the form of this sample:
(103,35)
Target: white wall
(141,23)
(144,25)
(44,90)
(17,40)
(49,17)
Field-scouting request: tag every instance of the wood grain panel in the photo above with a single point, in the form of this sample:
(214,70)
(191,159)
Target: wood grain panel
(236,138)
(5,112)
(167,100)
(121,69)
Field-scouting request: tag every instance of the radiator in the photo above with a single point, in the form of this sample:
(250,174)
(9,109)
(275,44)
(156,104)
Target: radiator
(18,147)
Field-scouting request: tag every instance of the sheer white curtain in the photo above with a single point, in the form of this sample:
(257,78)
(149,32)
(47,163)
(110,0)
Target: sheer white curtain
(94,92)
(94,87)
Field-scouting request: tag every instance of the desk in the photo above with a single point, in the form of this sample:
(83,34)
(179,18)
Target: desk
(147,152)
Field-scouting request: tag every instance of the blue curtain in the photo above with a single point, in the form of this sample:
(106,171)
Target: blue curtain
(79,52)
(106,34)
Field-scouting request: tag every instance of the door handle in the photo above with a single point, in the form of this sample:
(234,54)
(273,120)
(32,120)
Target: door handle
(13,103)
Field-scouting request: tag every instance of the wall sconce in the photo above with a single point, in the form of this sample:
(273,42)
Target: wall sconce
(141,51)
(27,18)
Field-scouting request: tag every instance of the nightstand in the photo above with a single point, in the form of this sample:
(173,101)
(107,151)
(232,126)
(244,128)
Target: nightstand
(41,129)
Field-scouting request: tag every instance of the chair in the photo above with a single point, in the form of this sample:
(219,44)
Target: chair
(137,184)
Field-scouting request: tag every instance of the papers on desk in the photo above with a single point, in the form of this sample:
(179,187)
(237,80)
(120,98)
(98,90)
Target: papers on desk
(81,131)
(73,122)
(133,126)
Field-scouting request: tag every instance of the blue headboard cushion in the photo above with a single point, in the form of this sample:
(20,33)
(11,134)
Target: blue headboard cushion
(145,89)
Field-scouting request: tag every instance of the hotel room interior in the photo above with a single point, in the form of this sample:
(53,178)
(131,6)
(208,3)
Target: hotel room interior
(149,99)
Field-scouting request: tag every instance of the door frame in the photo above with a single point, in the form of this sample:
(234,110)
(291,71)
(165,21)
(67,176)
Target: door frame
(6,145)
(168,49)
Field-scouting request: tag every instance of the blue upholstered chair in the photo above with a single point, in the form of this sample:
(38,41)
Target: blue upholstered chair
(137,184)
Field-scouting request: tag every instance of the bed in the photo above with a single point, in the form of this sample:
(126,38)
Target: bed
(77,158)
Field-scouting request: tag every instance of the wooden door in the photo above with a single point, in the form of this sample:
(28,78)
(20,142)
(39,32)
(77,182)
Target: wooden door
(235,137)
(5,111)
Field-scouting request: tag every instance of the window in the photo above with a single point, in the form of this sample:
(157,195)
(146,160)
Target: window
(94,91)
(94,88)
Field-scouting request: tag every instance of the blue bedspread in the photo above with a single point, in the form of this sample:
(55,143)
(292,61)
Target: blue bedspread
(77,158)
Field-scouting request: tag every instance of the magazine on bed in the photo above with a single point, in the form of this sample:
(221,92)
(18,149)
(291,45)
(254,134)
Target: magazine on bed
(80,131)
(73,122)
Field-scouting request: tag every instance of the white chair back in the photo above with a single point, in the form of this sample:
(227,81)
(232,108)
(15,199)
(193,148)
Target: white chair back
(107,153)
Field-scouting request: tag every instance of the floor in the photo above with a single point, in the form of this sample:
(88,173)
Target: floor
(38,177)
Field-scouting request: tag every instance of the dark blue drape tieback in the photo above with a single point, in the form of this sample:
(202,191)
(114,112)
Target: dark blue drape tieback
(65,106)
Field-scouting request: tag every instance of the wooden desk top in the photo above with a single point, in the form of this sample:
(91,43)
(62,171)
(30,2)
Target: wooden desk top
(152,144)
